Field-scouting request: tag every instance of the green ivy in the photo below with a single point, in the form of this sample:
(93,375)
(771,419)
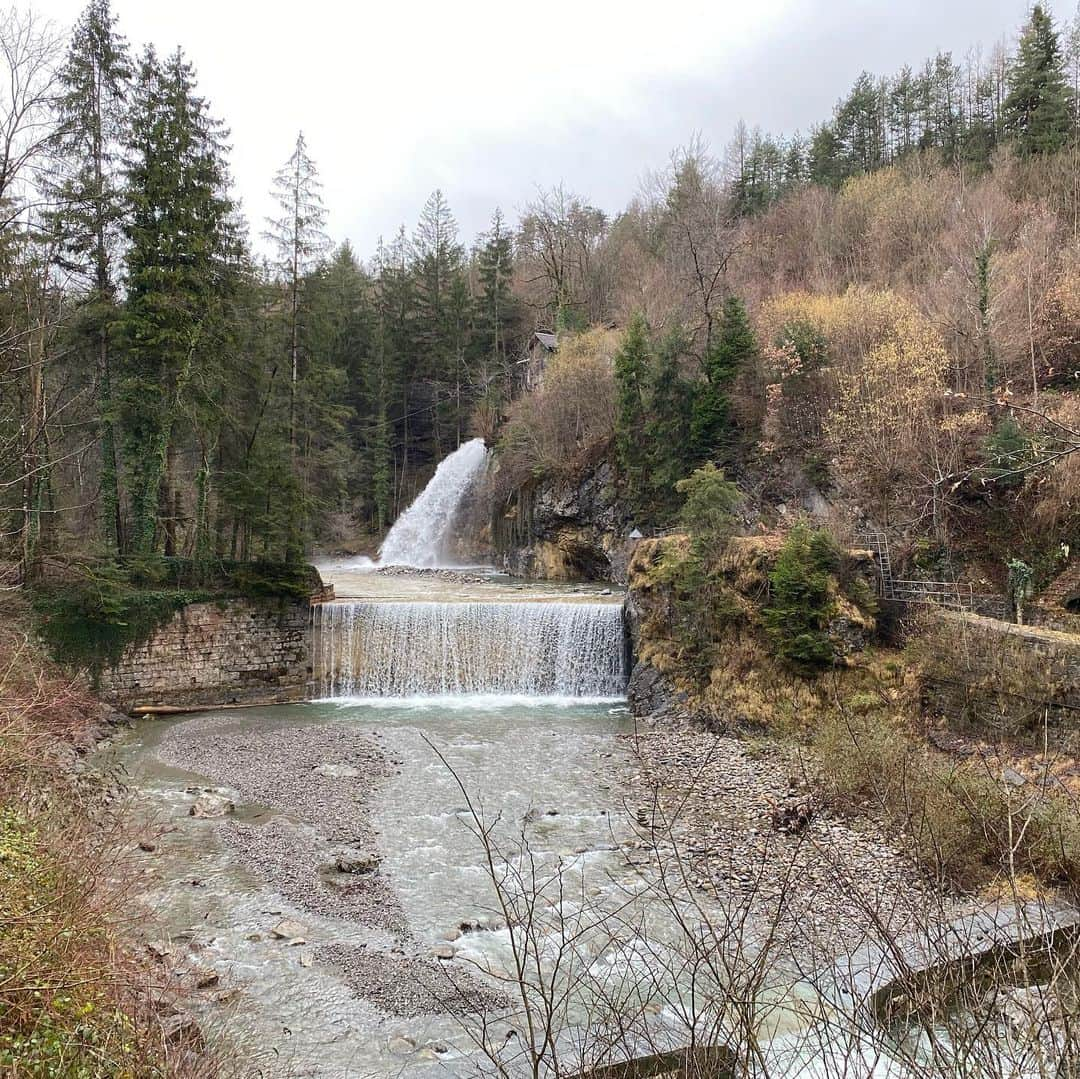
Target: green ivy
(89,622)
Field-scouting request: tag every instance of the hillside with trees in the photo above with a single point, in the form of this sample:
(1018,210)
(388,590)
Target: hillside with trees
(888,307)
(781,360)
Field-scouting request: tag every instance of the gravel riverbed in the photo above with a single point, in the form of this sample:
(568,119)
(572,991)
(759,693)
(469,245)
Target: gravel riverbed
(315,845)
(735,820)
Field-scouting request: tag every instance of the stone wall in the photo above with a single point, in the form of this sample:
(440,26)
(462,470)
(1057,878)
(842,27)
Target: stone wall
(1000,677)
(234,651)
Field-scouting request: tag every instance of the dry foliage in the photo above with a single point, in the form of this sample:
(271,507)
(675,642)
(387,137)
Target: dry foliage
(569,418)
(73,1000)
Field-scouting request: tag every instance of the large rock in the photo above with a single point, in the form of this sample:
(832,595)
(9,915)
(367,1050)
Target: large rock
(209,805)
(567,530)
(649,692)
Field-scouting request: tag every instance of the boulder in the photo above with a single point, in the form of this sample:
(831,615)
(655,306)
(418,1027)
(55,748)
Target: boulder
(288,929)
(359,864)
(209,805)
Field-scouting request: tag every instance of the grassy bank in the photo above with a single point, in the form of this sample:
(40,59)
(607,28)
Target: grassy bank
(993,810)
(74,999)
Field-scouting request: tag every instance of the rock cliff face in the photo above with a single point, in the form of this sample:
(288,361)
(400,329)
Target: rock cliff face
(564,529)
(722,672)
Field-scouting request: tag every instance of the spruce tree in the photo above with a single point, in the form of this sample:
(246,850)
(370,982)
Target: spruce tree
(632,363)
(438,270)
(91,119)
(711,434)
(495,304)
(668,429)
(1038,108)
(179,235)
(299,241)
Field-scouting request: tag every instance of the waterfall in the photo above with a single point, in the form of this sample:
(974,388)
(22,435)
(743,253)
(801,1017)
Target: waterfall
(395,649)
(422,535)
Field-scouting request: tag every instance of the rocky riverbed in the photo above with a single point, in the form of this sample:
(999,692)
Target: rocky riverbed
(306,832)
(737,821)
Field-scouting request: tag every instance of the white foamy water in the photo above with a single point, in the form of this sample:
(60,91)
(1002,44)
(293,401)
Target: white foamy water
(422,535)
(525,650)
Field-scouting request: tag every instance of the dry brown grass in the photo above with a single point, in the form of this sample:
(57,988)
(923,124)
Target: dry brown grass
(74,1000)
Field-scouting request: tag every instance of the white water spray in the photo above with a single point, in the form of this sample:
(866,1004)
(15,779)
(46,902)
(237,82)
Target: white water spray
(421,536)
(373,649)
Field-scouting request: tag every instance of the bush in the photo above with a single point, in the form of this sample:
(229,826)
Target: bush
(708,513)
(803,597)
(569,419)
(963,822)
(1007,449)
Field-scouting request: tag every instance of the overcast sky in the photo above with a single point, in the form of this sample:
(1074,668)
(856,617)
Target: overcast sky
(489,100)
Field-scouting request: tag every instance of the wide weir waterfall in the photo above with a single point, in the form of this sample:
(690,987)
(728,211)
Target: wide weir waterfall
(399,649)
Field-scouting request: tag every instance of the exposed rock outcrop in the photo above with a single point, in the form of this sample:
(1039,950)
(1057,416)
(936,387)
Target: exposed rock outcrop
(561,529)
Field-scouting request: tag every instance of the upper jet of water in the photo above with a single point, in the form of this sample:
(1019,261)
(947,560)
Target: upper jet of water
(422,535)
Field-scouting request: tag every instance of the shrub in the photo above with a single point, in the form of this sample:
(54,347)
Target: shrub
(1007,449)
(569,419)
(803,597)
(708,513)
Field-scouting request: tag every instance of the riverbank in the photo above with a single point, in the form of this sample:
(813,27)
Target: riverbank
(738,820)
(77,996)
(328,878)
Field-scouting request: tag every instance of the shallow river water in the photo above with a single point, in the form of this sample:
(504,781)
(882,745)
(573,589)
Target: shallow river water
(557,766)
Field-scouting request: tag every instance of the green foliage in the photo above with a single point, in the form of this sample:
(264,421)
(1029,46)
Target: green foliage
(1007,449)
(1020,579)
(803,587)
(632,365)
(1038,108)
(178,239)
(89,623)
(708,513)
(91,207)
(733,348)
(701,605)
(667,430)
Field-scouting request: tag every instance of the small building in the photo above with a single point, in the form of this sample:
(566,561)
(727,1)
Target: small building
(540,348)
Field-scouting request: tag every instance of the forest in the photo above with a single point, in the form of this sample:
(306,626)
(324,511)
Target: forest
(887,307)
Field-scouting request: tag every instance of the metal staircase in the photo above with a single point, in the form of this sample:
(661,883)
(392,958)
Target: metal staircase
(949,594)
(878,543)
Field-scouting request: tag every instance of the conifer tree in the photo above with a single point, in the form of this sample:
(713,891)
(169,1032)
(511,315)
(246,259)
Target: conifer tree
(438,270)
(1038,108)
(179,235)
(91,118)
(711,434)
(668,429)
(299,241)
(632,363)
(495,267)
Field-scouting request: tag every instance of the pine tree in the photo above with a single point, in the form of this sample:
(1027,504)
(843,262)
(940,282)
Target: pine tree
(496,306)
(668,429)
(1038,108)
(378,454)
(90,111)
(437,268)
(711,434)
(632,363)
(299,241)
(178,234)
